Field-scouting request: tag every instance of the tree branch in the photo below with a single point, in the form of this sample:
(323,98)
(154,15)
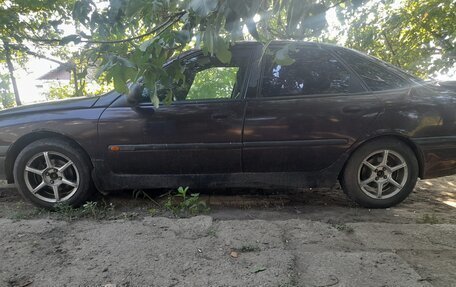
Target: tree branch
(31,53)
(163,26)
(390,47)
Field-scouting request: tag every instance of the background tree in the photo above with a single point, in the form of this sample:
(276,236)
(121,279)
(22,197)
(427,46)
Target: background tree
(418,36)
(6,96)
(21,21)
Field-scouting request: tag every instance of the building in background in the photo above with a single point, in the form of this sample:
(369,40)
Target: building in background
(56,78)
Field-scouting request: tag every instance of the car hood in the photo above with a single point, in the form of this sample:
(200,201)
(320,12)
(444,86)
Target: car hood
(76,103)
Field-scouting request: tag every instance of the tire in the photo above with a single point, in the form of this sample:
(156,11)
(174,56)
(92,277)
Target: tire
(46,173)
(366,173)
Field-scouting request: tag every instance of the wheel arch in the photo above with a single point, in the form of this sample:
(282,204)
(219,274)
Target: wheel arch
(27,139)
(416,150)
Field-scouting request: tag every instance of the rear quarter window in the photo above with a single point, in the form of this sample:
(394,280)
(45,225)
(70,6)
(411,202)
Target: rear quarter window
(374,75)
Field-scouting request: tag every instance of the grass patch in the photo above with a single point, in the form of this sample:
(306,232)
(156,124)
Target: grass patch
(28,214)
(24,211)
(91,209)
(428,219)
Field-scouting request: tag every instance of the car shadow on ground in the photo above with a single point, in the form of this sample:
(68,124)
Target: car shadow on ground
(433,201)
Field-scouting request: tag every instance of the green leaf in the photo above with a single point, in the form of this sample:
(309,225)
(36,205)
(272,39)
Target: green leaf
(209,38)
(119,84)
(203,7)
(144,45)
(125,62)
(154,98)
(222,51)
(120,76)
(155,101)
(282,56)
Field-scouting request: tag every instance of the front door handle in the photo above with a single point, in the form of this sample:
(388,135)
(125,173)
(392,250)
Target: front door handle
(352,109)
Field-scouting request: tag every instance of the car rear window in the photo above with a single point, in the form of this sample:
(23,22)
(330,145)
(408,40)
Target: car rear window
(314,71)
(377,77)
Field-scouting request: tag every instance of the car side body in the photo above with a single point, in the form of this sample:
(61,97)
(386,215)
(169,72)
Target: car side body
(248,141)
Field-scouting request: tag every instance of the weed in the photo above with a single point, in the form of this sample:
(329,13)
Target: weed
(90,208)
(344,227)
(249,248)
(428,219)
(152,211)
(211,232)
(66,211)
(181,204)
(128,216)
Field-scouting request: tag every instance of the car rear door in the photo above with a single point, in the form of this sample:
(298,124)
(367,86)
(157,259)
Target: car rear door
(200,132)
(307,114)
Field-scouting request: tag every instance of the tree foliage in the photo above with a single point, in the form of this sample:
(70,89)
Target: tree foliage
(418,36)
(132,39)
(21,21)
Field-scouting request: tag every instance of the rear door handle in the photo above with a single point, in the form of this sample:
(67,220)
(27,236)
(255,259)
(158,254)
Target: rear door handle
(352,109)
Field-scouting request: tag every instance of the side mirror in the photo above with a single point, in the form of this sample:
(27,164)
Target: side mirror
(135,92)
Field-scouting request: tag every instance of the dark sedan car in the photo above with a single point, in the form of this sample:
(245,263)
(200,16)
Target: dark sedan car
(333,114)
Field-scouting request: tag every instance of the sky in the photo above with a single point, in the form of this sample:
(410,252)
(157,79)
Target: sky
(34,68)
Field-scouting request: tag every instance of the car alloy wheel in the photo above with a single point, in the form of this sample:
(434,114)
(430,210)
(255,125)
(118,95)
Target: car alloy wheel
(382,174)
(51,176)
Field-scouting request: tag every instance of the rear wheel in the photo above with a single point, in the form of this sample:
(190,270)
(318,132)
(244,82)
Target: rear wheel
(381,173)
(52,171)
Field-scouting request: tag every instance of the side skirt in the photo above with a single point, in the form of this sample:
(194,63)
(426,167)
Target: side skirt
(106,180)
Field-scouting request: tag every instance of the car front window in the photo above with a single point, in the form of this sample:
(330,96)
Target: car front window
(213,83)
(206,78)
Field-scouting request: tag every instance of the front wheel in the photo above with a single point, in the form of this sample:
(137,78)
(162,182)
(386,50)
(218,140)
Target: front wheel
(52,171)
(381,173)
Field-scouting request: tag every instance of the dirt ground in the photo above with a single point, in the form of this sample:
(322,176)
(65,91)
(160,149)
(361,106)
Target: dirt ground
(248,238)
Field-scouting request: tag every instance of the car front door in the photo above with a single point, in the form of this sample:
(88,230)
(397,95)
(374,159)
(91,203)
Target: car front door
(200,132)
(306,114)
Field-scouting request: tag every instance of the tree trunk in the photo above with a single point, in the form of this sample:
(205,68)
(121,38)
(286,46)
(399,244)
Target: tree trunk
(9,63)
(75,79)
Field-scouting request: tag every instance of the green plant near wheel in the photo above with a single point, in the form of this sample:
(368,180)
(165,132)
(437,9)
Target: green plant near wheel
(182,203)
